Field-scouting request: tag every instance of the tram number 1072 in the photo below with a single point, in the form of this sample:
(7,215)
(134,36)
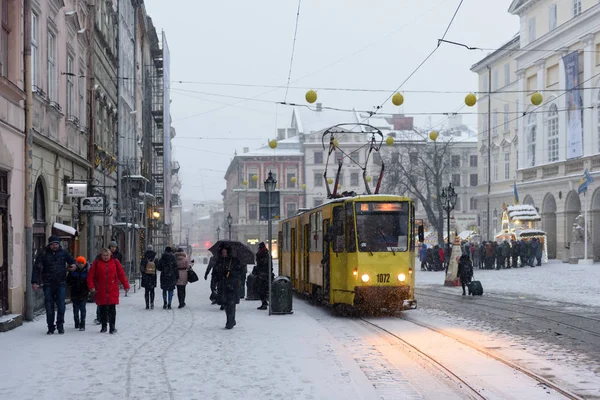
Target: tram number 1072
(383,278)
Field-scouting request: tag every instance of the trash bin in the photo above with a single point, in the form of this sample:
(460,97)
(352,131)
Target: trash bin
(281,295)
(251,287)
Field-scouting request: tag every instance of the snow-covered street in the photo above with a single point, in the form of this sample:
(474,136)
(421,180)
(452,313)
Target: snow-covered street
(310,354)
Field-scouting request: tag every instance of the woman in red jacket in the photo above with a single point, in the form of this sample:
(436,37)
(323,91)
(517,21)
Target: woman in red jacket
(103,279)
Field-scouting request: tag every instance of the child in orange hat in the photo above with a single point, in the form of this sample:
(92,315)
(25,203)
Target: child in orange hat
(77,279)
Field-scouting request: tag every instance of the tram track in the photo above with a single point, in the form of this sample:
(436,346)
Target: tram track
(553,316)
(448,371)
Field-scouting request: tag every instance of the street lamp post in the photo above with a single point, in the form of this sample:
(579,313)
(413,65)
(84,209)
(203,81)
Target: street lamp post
(270,184)
(448,198)
(218,233)
(229,221)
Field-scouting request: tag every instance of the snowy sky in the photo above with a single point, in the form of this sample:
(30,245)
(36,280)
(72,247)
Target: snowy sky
(340,43)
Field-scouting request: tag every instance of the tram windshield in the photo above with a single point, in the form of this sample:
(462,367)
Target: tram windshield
(382,227)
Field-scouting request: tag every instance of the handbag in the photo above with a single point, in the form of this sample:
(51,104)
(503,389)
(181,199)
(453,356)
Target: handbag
(192,276)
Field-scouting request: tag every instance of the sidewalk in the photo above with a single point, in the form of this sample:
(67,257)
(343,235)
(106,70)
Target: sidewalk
(554,282)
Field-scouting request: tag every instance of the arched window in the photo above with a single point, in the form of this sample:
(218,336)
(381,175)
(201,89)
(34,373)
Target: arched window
(39,203)
(553,133)
(531,137)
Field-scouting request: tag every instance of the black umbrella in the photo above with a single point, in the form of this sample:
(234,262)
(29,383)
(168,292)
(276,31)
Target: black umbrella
(239,250)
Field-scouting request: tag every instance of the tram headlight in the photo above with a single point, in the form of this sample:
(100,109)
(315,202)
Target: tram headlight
(401,277)
(365,278)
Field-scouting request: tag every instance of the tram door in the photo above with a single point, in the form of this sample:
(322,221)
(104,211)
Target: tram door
(326,276)
(306,258)
(293,259)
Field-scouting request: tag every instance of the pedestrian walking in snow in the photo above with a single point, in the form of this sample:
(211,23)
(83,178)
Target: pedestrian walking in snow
(103,280)
(231,269)
(539,252)
(183,266)
(50,270)
(422,257)
(148,270)
(77,280)
(261,270)
(213,279)
(168,276)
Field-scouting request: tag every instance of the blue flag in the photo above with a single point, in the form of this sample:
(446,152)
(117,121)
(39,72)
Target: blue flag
(515,193)
(584,181)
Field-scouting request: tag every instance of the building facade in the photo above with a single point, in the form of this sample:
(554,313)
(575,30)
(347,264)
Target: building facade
(12,164)
(558,47)
(244,180)
(104,117)
(60,134)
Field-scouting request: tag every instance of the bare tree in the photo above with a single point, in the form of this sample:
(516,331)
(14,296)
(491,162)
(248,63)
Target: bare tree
(418,168)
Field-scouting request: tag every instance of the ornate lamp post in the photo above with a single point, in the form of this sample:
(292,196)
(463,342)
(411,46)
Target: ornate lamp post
(229,221)
(218,233)
(448,198)
(270,184)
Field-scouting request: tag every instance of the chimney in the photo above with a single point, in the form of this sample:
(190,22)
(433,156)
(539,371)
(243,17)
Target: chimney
(319,107)
(280,133)
(246,149)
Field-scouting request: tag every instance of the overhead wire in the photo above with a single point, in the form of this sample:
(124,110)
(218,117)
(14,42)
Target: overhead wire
(293,51)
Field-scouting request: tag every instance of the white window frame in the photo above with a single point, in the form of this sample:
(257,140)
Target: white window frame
(495,162)
(576,7)
(35,51)
(82,104)
(495,80)
(507,74)
(531,30)
(553,128)
(485,169)
(553,13)
(506,165)
(70,103)
(495,122)
(506,117)
(51,66)
(531,139)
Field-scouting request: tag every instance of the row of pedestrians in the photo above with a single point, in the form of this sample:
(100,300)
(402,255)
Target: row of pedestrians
(54,268)
(517,253)
(227,280)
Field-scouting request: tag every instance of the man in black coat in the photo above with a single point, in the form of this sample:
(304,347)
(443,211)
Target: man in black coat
(50,270)
(168,276)
(261,270)
(230,269)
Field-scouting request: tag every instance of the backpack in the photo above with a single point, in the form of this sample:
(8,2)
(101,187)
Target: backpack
(151,268)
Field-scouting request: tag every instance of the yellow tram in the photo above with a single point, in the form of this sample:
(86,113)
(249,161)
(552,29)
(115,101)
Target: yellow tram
(355,253)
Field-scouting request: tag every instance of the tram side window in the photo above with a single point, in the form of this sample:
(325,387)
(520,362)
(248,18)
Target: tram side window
(338,230)
(350,230)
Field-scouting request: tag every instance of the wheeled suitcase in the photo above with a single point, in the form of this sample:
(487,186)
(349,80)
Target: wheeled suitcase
(475,288)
